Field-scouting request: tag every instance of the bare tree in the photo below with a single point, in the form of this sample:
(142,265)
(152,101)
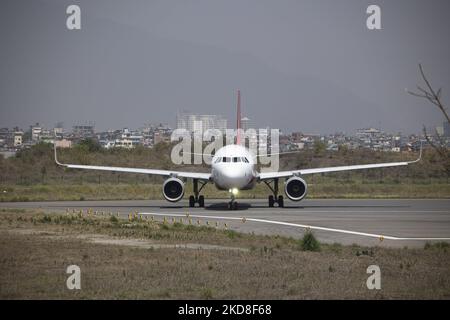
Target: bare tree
(435,98)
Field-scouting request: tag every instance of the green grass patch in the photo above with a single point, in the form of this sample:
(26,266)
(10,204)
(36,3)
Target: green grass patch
(309,242)
(437,246)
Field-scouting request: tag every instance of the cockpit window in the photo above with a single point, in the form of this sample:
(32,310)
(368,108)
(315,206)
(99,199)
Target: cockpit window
(231,159)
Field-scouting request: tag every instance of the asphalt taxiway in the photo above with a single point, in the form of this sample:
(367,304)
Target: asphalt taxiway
(398,223)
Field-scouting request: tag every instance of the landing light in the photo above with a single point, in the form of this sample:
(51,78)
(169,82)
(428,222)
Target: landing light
(234,191)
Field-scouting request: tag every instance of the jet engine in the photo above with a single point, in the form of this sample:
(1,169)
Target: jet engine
(295,188)
(173,189)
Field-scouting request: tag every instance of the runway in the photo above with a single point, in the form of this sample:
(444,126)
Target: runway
(395,223)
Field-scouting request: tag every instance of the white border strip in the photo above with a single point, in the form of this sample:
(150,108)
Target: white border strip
(364,234)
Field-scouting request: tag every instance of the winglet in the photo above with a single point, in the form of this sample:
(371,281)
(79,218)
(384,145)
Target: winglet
(420,154)
(56,159)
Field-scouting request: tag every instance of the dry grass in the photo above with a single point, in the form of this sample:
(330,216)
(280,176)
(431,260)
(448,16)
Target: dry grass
(35,250)
(142,191)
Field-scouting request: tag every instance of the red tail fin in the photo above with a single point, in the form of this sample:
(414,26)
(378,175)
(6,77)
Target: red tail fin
(238,122)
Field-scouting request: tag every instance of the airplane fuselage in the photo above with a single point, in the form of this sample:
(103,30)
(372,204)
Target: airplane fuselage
(233,167)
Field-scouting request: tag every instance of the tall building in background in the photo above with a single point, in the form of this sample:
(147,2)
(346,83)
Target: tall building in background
(36,131)
(221,124)
(246,123)
(446,129)
(200,123)
(58,130)
(82,131)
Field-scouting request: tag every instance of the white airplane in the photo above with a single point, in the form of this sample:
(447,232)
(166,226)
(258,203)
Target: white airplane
(233,168)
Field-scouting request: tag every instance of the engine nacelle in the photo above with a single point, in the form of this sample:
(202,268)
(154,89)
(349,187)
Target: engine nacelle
(295,188)
(173,189)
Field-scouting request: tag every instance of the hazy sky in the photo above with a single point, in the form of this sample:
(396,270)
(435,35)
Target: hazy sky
(311,65)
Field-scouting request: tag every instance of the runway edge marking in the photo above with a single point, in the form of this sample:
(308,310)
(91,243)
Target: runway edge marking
(365,234)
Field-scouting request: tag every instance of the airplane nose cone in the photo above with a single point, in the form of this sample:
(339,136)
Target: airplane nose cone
(233,174)
(235,178)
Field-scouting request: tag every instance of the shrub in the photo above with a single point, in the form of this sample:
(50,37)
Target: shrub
(178,225)
(164,226)
(309,242)
(437,245)
(232,234)
(45,219)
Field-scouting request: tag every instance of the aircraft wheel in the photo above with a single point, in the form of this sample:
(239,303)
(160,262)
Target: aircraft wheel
(191,201)
(201,201)
(280,201)
(271,201)
(235,205)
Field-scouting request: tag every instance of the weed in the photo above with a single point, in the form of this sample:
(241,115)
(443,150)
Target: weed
(206,293)
(309,242)
(437,245)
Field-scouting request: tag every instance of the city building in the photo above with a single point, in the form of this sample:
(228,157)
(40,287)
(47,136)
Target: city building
(18,138)
(200,123)
(64,143)
(36,131)
(128,139)
(4,137)
(58,132)
(446,129)
(14,139)
(123,143)
(246,123)
(158,138)
(83,131)
(46,136)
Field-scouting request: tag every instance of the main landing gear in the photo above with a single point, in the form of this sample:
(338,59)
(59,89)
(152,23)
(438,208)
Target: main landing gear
(196,198)
(275,198)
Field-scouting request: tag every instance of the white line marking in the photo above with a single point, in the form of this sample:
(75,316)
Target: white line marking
(350,211)
(372,235)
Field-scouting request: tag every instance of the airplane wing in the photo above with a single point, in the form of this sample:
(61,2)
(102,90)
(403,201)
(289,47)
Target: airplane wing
(180,174)
(286,174)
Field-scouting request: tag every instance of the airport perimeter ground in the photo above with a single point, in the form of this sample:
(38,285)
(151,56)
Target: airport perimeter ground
(192,257)
(404,218)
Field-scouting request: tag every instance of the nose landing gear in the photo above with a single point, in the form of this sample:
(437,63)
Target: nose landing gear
(232,205)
